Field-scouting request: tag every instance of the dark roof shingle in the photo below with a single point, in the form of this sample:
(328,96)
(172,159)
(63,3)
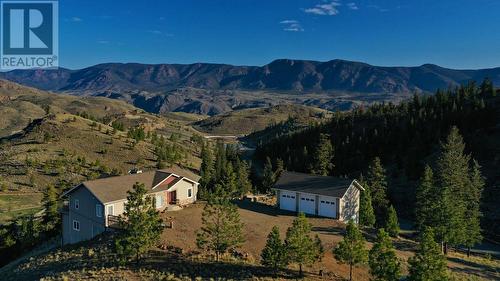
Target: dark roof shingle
(115,188)
(321,185)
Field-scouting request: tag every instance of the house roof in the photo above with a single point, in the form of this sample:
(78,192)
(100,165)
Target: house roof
(115,188)
(321,185)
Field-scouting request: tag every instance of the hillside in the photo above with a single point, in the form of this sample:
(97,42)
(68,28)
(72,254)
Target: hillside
(283,74)
(211,89)
(246,121)
(73,142)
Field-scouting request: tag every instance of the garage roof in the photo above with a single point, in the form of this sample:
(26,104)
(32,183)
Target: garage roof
(321,185)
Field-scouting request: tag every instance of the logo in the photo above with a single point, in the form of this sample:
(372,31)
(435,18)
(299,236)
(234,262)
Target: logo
(29,34)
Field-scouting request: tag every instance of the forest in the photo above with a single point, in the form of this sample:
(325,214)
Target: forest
(406,137)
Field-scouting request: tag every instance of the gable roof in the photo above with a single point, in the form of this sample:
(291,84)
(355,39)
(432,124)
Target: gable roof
(321,185)
(115,188)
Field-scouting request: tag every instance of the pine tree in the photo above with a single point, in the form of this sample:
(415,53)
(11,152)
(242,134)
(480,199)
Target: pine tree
(351,250)
(268,175)
(229,180)
(473,212)
(141,223)
(280,167)
(221,229)
(366,214)
(274,254)
(425,200)
(384,264)
(323,156)
(220,160)
(51,216)
(207,166)
(300,246)
(392,224)
(377,183)
(428,264)
(453,181)
(242,173)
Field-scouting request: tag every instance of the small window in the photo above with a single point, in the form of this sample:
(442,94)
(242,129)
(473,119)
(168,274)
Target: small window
(293,197)
(284,196)
(190,193)
(98,210)
(77,204)
(76,225)
(111,210)
(303,199)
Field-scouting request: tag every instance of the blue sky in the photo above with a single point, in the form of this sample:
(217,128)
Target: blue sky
(451,33)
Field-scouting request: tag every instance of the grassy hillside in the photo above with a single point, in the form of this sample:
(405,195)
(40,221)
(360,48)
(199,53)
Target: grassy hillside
(246,121)
(177,257)
(63,140)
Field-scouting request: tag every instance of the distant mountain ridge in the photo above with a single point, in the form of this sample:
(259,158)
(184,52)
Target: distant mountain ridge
(279,75)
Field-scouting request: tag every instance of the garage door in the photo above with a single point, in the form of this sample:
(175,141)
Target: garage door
(307,204)
(327,207)
(287,201)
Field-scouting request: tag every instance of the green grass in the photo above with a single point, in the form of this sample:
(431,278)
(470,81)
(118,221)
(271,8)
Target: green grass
(15,205)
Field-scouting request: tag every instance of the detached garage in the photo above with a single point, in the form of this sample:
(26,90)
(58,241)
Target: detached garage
(323,196)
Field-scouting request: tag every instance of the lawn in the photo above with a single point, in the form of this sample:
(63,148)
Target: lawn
(14,205)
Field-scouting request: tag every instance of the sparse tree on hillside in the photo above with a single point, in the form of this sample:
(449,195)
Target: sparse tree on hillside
(274,254)
(377,183)
(207,166)
(384,264)
(51,214)
(366,214)
(453,181)
(268,175)
(221,229)
(242,174)
(425,208)
(351,250)
(473,212)
(301,247)
(323,156)
(428,264)
(142,225)
(392,224)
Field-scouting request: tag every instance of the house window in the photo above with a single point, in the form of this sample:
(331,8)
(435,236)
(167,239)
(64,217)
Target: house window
(158,201)
(77,204)
(98,210)
(190,193)
(76,225)
(111,210)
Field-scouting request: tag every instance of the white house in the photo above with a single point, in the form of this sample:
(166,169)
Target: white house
(323,196)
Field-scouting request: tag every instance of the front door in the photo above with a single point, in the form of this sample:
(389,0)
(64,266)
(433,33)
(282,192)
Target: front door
(172,196)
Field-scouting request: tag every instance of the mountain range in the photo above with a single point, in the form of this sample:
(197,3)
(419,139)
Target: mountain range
(193,87)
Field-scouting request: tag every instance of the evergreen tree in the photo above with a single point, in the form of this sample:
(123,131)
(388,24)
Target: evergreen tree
(320,250)
(472,211)
(221,229)
(377,182)
(425,208)
(366,214)
(428,264)
(351,250)
(220,160)
(323,156)
(242,173)
(384,264)
(392,224)
(280,167)
(268,175)
(141,224)
(207,166)
(300,246)
(51,216)
(274,254)
(229,180)
(453,181)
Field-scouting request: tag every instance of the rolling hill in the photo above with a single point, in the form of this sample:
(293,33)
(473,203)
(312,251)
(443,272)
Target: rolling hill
(211,89)
(246,121)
